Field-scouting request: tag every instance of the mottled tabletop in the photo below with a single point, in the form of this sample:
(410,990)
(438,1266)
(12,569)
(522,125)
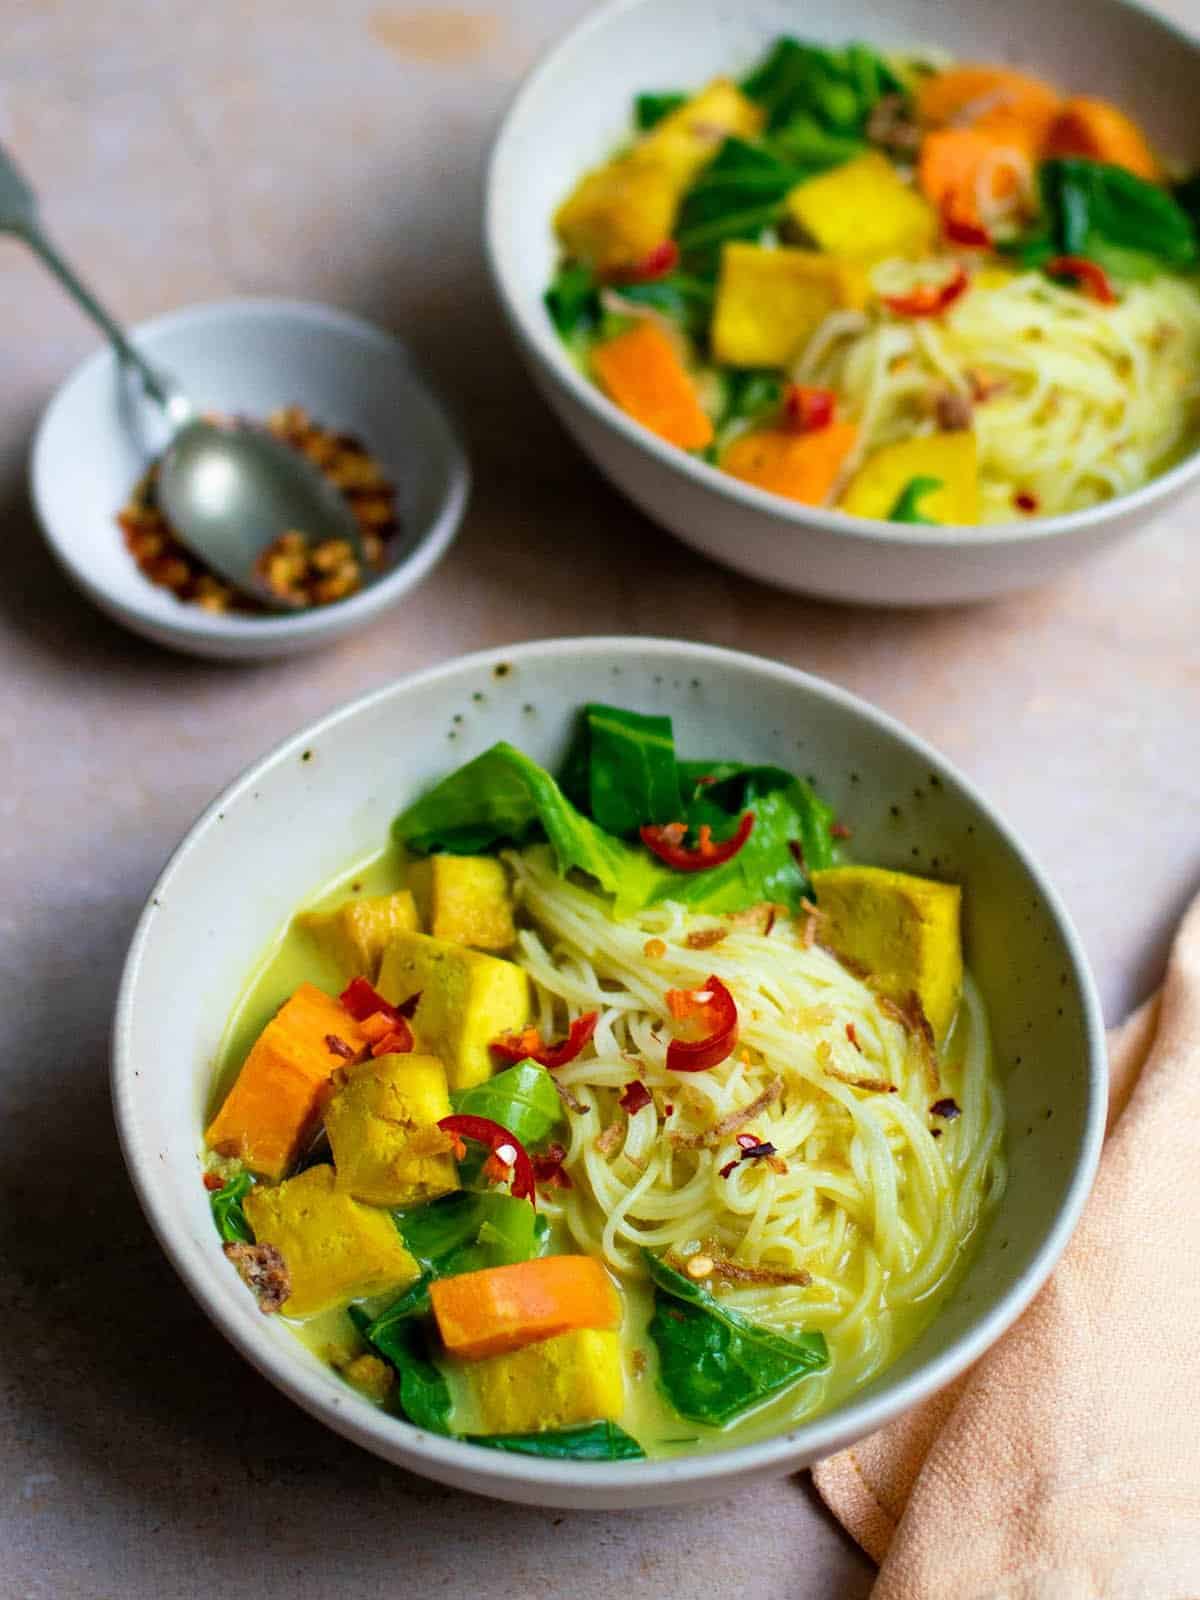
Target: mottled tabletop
(334,152)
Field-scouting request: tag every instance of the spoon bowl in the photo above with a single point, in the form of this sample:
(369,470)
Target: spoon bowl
(230,489)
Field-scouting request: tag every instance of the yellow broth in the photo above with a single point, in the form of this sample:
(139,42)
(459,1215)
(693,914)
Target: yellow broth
(292,959)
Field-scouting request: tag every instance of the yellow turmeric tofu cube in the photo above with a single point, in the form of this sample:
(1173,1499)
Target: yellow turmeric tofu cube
(467,1000)
(334,1248)
(771,301)
(355,934)
(274,1107)
(382,1127)
(619,212)
(464,899)
(616,215)
(903,929)
(575,1377)
(949,458)
(688,138)
(863,211)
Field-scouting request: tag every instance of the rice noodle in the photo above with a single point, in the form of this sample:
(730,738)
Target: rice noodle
(871,1205)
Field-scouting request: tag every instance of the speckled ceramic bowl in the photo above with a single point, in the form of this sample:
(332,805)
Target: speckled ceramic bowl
(326,797)
(573,110)
(245,357)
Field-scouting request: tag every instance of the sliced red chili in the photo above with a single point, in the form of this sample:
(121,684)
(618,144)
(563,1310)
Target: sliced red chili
(1025,500)
(716,1009)
(964,230)
(635,1096)
(362,1000)
(527,1045)
(1089,275)
(930,299)
(388,1035)
(808,410)
(213,1181)
(666,841)
(656,263)
(507,1156)
(729,1166)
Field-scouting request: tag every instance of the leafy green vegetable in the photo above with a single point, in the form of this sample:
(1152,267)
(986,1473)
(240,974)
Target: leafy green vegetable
(787,811)
(813,148)
(908,502)
(650,109)
(596,1441)
(834,89)
(573,300)
(424,1394)
(522,1099)
(503,795)
(737,195)
(748,396)
(621,769)
(227,1210)
(1130,227)
(1187,198)
(685,299)
(713,1362)
(467,1231)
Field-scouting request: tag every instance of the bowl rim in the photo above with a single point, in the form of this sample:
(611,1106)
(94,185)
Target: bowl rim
(191,623)
(535,333)
(494,1472)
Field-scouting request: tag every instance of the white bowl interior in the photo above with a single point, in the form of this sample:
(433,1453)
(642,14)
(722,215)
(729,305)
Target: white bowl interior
(248,358)
(326,798)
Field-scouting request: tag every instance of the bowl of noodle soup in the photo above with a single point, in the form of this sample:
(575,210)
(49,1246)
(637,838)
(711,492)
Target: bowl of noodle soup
(1084,421)
(923,1253)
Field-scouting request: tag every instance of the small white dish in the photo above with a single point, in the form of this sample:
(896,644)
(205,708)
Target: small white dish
(245,357)
(574,110)
(324,799)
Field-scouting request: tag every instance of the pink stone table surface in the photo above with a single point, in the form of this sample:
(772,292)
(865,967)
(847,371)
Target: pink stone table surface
(187,152)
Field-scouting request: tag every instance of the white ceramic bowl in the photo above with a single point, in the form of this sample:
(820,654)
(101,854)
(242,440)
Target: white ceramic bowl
(325,798)
(247,357)
(575,108)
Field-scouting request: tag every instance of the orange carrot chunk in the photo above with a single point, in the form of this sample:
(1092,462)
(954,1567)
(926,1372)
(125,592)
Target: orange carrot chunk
(951,166)
(642,373)
(800,466)
(504,1308)
(275,1105)
(1013,106)
(1102,132)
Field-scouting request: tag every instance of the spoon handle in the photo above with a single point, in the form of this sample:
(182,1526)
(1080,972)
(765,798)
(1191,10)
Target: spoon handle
(18,215)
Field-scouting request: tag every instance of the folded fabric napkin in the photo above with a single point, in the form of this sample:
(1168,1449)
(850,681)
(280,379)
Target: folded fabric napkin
(1065,1465)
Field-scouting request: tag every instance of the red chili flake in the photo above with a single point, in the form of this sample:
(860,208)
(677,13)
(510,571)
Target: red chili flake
(929,299)
(338,1047)
(213,1181)
(756,1151)
(808,410)
(668,1109)
(527,1045)
(946,1109)
(362,1000)
(964,230)
(747,1141)
(709,777)
(408,1008)
(936,1132)
(1026,500)
(729,1166)
(839,830)
(635,1097)
(797,850)
(548,1168)
(852,1035)
(656,263)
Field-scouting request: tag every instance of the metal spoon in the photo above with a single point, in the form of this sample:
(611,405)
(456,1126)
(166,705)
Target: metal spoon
(228,490)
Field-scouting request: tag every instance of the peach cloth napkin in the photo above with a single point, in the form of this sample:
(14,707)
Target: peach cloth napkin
(1065,1465)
